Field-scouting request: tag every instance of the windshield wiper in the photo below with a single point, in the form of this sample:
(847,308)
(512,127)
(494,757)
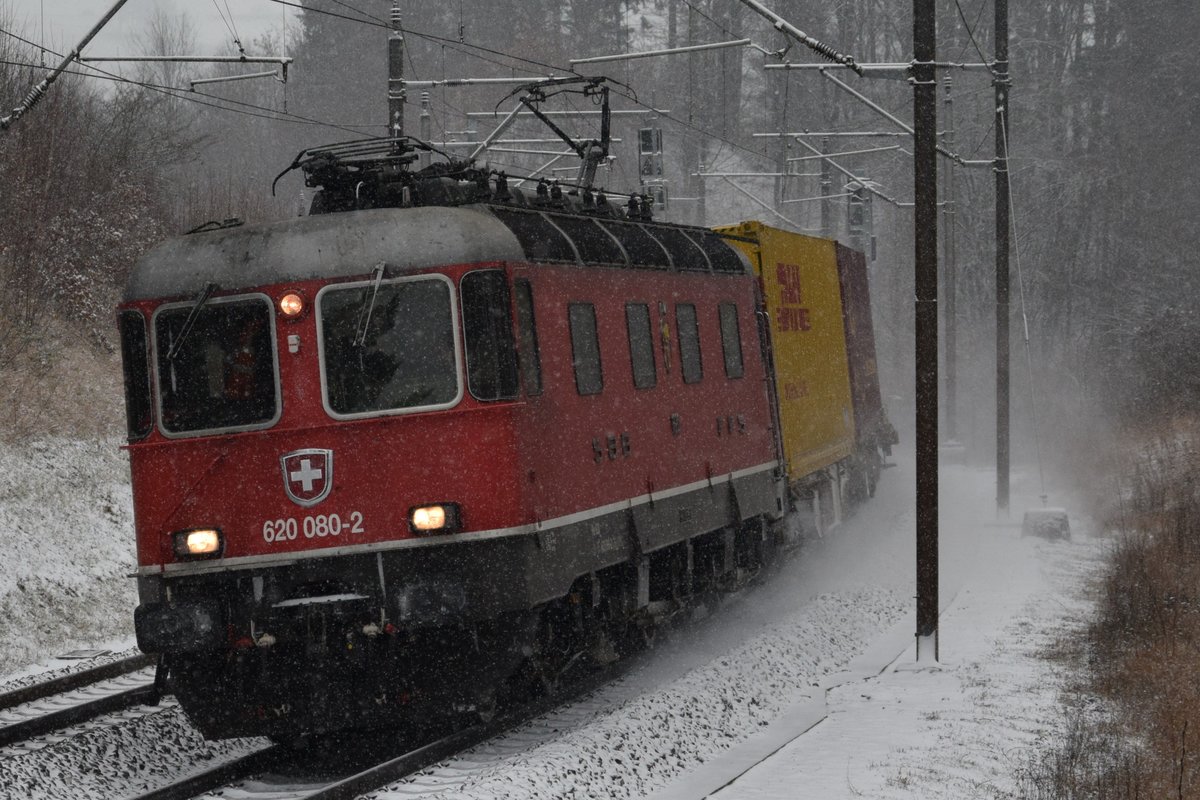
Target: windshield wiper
(206,293)
(368,306)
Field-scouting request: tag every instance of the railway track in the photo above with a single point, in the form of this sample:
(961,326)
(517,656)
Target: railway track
(45,707)
(280,774)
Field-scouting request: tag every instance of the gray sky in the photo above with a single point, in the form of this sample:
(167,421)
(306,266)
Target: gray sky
(67,21)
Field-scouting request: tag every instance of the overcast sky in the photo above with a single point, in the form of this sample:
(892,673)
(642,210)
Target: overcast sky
(67,21)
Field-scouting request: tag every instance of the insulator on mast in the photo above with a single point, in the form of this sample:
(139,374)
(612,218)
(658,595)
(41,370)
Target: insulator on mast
(396,89)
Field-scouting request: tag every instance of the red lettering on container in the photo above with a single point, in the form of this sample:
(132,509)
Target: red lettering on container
(792,319)
(791,316)
(788,276)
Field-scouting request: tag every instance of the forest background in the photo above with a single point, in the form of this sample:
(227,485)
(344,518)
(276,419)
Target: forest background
(1103,119)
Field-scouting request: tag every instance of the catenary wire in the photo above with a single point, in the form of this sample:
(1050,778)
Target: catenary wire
(229,24)
(360,11)
(178,93)
(971,34)
(1012,216)
(453,43)
(183,94)
(272,114)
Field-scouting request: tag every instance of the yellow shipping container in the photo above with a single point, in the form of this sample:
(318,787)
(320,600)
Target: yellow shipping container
(799,279)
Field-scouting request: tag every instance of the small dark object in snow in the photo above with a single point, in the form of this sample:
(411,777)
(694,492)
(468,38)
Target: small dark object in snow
(1046,523)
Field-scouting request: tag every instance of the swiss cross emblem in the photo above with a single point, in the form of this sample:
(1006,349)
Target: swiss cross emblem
(307,475)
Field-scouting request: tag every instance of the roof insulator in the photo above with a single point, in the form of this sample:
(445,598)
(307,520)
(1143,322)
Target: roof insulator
(502,193)
(633,209)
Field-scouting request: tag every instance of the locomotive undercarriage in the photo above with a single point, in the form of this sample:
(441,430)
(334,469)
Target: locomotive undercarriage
(389,638)
(338,664)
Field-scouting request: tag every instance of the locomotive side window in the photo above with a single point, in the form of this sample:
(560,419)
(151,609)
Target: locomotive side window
(689,343)
(487,325)
(216,366)
(135,364)
(641,345)
(731,340)
(388,347)
(529,358)
(585,348)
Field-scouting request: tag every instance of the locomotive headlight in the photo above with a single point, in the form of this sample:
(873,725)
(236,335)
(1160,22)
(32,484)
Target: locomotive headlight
(291,305)
(198,543)
(439,518)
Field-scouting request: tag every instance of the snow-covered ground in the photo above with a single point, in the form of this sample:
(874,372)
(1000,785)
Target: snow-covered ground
(66,531)
(808,687)
(803,687)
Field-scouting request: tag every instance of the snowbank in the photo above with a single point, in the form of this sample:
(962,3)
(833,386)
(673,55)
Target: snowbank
(66,550)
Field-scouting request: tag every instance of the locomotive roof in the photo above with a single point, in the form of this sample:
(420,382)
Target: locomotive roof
(406,239)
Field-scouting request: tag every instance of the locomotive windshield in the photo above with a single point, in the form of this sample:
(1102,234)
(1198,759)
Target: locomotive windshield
(222,375)
(388,348)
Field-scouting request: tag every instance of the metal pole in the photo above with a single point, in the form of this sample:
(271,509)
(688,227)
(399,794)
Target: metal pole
(951,270)
(426,123)
(668,52)
(926,280)
(783,26)
(894,71)
(188,59)
(884,112)
(1002,227)
(693,150)
(504,125)
(835,134)
(434,84)
(396,88)
(826,189)
(864,151)
(623,112)
(35,94)
(870,187)
(781,155)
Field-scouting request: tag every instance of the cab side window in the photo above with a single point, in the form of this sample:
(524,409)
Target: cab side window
(487,325)
(585,348)
(641,345)
(689,343)
(731,340)
(527,342)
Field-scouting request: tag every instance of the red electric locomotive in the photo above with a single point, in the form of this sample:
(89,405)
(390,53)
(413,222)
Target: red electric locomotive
(441,440)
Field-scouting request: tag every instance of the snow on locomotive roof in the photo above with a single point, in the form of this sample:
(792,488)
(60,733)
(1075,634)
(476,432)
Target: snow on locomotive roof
(353,242)
(321,246)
